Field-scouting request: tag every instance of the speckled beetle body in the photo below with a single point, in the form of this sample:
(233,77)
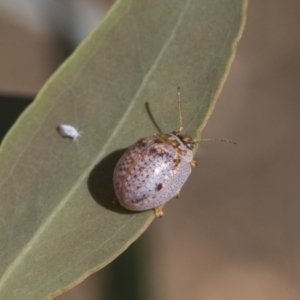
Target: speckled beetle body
(153,170)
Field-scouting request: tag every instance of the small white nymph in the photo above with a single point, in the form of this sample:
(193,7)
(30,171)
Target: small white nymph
(69,131)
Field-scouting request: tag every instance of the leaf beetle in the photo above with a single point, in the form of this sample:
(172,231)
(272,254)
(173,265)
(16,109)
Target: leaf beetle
(154,169)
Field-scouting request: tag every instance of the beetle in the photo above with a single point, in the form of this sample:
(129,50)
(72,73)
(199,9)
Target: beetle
(153,170)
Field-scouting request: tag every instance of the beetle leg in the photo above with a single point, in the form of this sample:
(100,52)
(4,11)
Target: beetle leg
(158,212)
(193,163)
(115,200)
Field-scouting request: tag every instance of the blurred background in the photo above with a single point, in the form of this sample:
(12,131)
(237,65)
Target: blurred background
(235,231)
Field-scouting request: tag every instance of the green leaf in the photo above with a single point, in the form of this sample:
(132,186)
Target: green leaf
(57,221)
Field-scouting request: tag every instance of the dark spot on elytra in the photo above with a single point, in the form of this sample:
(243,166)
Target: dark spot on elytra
(159,187)
(161,154)
(153,151)
(137,200)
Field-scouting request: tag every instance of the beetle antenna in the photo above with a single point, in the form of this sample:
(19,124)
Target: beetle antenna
(151,117)
(215,140)
(179,109)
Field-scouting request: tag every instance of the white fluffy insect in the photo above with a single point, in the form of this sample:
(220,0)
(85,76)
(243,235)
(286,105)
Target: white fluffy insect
(68,131)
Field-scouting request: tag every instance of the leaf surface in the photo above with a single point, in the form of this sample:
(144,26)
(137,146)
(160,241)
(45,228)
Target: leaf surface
(57,221)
